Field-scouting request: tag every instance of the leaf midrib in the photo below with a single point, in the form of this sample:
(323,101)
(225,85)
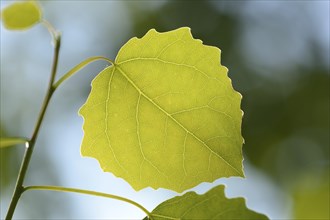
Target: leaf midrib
(116,66)
(168,62)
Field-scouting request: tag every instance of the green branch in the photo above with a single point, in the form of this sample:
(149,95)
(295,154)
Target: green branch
(88,192)
(30,144)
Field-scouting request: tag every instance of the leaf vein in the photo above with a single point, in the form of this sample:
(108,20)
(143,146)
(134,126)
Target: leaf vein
(176,121)
(106,121)
(168,62)
(140,144)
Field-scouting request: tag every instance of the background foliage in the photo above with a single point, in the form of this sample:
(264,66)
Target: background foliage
(277,53)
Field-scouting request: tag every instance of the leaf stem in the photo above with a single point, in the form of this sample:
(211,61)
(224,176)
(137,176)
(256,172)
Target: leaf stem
(79,67)
(10,141)
(30,144)
(54,34)
(88,192)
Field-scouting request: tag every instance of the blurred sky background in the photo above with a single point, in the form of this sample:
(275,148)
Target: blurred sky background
(277,53)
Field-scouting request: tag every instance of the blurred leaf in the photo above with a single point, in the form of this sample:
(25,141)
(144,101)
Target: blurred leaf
(9,164)
(165,115)
(7,142)
(311,198)
(21,15)
(211,205)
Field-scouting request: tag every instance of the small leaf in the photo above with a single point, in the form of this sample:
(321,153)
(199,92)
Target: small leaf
(165,115)
(211,205)
(7,142)
(21,15)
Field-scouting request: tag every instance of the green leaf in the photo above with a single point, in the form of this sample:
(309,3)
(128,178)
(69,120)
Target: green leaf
(7,142)
(211,205)
(21,15)
(165,115)
(311,195)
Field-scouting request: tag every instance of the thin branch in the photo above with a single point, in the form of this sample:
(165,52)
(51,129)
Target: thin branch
(54,34)
(30,145)
(79,67)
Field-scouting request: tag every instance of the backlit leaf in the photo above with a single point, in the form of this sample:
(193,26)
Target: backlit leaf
(21,15)
(211,205)
(165,115)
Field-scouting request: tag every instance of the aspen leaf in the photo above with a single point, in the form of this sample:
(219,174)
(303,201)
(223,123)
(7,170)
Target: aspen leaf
(211,205)
(21,15)
(165,114)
